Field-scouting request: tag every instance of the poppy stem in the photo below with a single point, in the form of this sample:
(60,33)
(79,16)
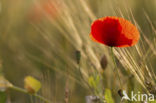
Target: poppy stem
(115,68)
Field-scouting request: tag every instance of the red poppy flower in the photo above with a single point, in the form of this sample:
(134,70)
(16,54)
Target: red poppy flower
(114,32)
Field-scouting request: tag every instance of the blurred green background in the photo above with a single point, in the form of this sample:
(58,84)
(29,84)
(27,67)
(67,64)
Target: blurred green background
(40,38)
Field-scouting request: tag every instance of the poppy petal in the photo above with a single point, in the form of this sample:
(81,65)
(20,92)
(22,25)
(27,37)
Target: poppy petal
(114,32)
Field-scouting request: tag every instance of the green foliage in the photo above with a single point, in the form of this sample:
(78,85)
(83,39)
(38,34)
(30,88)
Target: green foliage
(3,97)
(94,81)
(31,84)
(108,96)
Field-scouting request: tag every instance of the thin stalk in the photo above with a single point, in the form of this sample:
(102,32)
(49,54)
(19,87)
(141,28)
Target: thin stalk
(25,92)
(79,67)
(116,68)
(31,99)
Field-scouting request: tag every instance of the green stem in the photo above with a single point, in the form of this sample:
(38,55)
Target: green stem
(35,95)
(80,72)
(31,99)
(116,68)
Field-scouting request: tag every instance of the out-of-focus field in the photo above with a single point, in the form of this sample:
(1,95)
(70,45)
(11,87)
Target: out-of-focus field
(40,38)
